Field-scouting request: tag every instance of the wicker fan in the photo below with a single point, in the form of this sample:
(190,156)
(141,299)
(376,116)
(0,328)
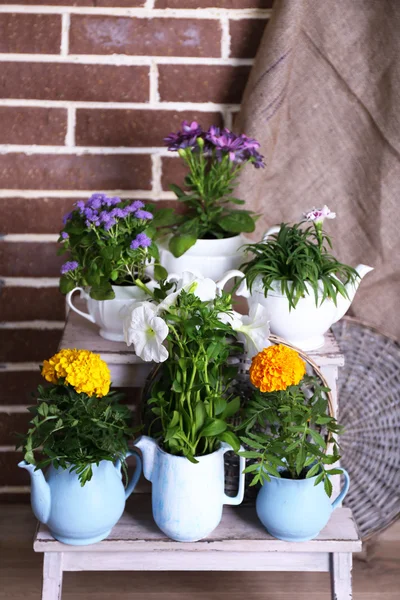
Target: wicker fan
(369,403)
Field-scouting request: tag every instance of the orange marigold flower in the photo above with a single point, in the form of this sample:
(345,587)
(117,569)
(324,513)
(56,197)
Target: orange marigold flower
(276,368)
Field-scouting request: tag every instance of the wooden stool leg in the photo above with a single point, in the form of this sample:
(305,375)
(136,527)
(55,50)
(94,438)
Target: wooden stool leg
(52,576)
(340,567)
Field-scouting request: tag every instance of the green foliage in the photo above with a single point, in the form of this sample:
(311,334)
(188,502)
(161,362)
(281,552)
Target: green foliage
(285,432)
(298,256)
(74,431)
(104,256)
(210,207)
(191,403)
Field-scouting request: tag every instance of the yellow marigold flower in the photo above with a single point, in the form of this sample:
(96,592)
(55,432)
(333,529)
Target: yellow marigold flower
(275,368)
(82,369)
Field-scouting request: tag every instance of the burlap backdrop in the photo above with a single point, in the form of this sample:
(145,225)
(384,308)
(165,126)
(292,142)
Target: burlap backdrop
(324,101)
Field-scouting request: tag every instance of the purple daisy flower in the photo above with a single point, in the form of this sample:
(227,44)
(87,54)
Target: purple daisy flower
(143,214)
(187,138)
(69,266)
(141,241)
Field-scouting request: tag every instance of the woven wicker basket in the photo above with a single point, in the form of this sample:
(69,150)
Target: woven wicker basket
(244,389)
(369,403)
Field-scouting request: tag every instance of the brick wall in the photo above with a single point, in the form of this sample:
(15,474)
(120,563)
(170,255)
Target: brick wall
(88,90)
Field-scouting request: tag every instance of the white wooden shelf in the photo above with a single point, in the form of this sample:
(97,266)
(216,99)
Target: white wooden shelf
(240,543)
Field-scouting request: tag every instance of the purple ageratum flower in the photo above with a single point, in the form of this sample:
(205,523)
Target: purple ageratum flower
(111,201)
(64,235)
(66,218)
(109,224)
(186,138)
(141,241)
(69,266)
(143,214)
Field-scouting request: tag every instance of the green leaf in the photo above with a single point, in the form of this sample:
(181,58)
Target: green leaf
(179,244)
(66,284)
(160,273)
(199,415)
(318,439)
(328,486)
(213,429)
(231,408)
(237,222)
(230,438)
(313,471)
(102,292)
(164,217)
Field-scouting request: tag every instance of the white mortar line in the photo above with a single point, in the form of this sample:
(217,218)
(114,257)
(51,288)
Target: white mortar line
(156,172)
(79,150)
(153,82)
(9,448)
(123,59)
(225,38)
(41,325)
(15,489)
(143,13)
(29,237)
(81,194)
(29,282)
(149,4)
(11,408)
(65,24)
(20,366)
(71,123)
(167,106)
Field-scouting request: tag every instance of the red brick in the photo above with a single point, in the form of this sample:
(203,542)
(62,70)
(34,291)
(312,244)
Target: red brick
(214,3)
(173,171)
(202,83)
(17,386)
(68,81)
(10,425)
(116,127)
(35,34)
(246,36)
(27,304)
(10,474)
(27,125)
(66,171)
(33,215)
(29,259)
(149,37)
(28,345)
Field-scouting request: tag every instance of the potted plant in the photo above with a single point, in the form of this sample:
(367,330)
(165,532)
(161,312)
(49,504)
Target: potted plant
(282,425)
(79,432)
(208,237)
(304,288)
(186,328)
(110,245)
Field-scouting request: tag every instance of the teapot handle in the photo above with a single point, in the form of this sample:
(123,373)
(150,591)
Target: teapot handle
(80,312)
(343,491)
(270,231)
(235,500)
(227,276)
(135,477)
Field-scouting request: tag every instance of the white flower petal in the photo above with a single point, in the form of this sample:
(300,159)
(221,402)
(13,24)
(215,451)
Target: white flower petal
(146,332)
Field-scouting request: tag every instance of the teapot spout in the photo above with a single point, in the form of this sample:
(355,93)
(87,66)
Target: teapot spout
(343,304)
(40,492)
(148,448)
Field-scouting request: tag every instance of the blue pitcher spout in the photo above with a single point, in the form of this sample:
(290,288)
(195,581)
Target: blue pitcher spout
(148,448)
(40,492)
(343,304)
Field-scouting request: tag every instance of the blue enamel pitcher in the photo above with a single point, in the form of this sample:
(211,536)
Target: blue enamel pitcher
(76,514)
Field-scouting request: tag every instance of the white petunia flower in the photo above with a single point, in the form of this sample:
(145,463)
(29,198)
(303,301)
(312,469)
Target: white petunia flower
(202,287)
(318,215)
(146,332)
(253,329)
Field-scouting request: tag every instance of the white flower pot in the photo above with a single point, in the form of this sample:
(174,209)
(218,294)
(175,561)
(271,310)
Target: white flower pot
(210,258)
(305,325)
(109,314)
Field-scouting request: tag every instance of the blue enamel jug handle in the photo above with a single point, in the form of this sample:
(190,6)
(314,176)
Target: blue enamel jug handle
(344,490)
(135,477)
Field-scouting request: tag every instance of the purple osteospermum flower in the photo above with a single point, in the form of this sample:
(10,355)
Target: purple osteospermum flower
(185,138)
(69,266)
(143,214)
(141,241)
